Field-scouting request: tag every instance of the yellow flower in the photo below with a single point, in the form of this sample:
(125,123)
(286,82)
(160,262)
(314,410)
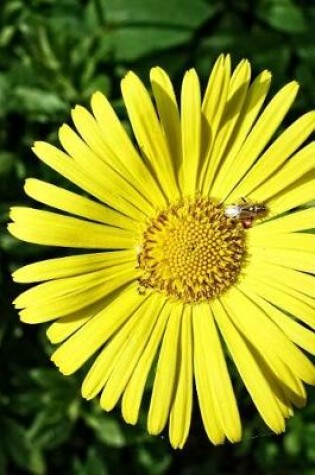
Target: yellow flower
(195,248)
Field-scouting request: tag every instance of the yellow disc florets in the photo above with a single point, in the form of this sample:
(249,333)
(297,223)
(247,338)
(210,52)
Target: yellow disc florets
(191,251)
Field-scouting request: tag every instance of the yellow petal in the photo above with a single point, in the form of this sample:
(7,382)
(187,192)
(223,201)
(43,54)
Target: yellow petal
(66,326)
(59,301)
(166,374)
(296,332)
(290,241)
(148,132)
(182,405)
(203,375)
(90,133)
(86,179)
(298,260)
(122,150)
(168,113)
(298,165)
(225,405)
(268,339)
(133,394)
(132,351)
(101,164)
(191,131)
(73,203)
(248,367)
(238,88)
(261,133)
(47,228)
(214,102)
(280,298)
(298,221)
(254,100)
(299,281)
(293,292)
(282,148)
(54,289)
(88,339)
(104,364)
(70,266)
(294,196)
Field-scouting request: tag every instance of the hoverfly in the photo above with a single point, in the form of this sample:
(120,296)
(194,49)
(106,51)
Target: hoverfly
(246,212)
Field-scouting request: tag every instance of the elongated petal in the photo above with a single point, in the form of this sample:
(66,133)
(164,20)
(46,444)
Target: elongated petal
(298,165)
(148,132)
(86,341)
(219,380)
(131,352)
(304,283)
(238,87)
(293,292)
(292,259)
(203,376)
(191,131)
(254,100)
(134,391)
(269,340)
(180,415)
(86,292)
(290,241)
(276,296)
(57,230)
(214,101)
(166,374)
(122,150)
(299,334)
(71,266)
(249,369)
(299,221)
(282,148)
(61,329)
(262,131)
(168,113)
(55,289)
(117,335)
(295,195)
(93,161)
(73,203)
(86,179)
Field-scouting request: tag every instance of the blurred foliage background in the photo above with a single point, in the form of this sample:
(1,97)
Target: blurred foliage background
(54,54)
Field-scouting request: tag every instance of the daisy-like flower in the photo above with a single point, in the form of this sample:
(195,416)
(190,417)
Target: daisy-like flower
(193,249)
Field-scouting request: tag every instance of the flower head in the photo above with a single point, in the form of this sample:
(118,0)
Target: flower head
(192,246)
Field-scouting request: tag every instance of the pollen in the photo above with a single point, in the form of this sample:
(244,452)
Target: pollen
(191,251)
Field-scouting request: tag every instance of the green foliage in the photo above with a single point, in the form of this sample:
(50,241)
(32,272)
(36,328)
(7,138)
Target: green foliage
(54,54)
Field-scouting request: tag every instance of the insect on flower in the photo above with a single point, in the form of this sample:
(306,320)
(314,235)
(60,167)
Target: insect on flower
(246,212)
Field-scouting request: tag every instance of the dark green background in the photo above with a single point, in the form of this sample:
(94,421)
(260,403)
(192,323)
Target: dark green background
(54,54)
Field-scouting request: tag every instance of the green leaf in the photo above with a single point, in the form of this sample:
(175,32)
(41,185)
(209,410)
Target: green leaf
(131,43)
(94,464)
(107,429)
(175,13)
(3,461)
(155,464)
(16,442)
(309,435)
(50,429)
(136,28)
(39,103)
(283,15)
(6,163)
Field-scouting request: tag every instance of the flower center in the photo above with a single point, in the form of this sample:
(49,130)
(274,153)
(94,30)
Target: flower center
(191,251)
